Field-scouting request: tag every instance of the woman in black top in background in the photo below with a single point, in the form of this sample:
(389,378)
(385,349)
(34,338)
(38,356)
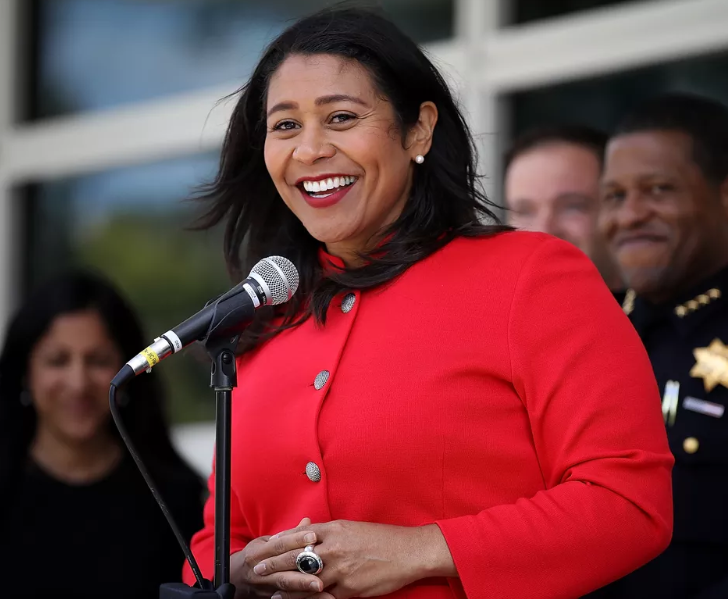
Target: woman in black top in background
(76,518)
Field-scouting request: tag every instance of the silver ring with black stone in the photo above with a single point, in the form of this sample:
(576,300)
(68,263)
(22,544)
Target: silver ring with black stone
(308,562)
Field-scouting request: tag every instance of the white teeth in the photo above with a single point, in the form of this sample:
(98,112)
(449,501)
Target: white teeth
(327,184)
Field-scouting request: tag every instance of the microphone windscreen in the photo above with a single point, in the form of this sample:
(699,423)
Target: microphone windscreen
(280,275)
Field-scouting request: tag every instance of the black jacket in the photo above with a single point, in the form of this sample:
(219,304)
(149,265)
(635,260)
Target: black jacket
(687,341)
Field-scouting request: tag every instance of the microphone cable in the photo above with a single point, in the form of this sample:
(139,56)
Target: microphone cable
(116,415)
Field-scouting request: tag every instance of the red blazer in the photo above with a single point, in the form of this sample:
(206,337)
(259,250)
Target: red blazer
(495,388)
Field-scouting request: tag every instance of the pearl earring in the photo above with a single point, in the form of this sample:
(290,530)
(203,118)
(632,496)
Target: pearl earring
(419,159)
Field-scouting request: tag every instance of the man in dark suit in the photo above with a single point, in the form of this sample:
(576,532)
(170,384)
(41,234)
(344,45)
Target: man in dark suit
(664,212)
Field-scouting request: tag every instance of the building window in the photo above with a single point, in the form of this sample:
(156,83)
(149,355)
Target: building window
(526,11)
(97,54)
(601,101)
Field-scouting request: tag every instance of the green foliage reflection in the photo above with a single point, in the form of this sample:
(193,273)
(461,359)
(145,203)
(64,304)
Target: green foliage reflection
(168,273)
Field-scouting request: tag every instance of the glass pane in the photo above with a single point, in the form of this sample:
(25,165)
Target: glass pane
(129,224)
(95,54)
(602,101)
(525,11)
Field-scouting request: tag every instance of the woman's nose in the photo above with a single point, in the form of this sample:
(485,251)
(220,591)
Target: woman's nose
(313,146)
(77,376)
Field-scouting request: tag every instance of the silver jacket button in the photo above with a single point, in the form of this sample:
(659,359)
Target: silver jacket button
(321,379)
(348,303)
(313,472)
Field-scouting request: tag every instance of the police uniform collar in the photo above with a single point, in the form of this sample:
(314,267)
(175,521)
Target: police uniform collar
(686,311)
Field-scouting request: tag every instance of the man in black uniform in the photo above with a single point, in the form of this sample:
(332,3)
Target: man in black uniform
(664,212)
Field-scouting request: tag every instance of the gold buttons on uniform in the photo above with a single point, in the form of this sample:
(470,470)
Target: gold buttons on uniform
(691,445)
(313,472)
(700,300)
(348,303)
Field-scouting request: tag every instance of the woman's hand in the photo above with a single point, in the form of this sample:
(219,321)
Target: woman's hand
(368,560)
(252,580)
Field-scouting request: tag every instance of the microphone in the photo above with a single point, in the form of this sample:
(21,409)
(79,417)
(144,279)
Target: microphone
(271,282)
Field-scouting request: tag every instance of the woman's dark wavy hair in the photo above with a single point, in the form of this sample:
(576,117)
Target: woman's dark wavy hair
(445,200)
(143,412)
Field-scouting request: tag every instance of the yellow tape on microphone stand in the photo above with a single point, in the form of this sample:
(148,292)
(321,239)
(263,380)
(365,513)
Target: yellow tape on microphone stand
(151,357)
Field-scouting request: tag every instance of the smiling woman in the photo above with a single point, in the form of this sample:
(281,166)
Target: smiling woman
(348,141)
(64,472)
(423,419)
(364,108)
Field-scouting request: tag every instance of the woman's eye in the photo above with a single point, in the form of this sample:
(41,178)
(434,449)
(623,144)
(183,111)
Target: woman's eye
(57,361)
(342,118)
(284,126)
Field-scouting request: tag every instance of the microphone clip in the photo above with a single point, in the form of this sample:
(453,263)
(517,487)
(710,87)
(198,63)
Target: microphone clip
(223,373)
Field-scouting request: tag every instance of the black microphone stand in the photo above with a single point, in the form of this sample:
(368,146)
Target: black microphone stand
(223,377)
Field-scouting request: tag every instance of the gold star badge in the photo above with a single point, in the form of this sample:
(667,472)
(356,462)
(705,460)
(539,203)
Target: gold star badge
(711,364)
